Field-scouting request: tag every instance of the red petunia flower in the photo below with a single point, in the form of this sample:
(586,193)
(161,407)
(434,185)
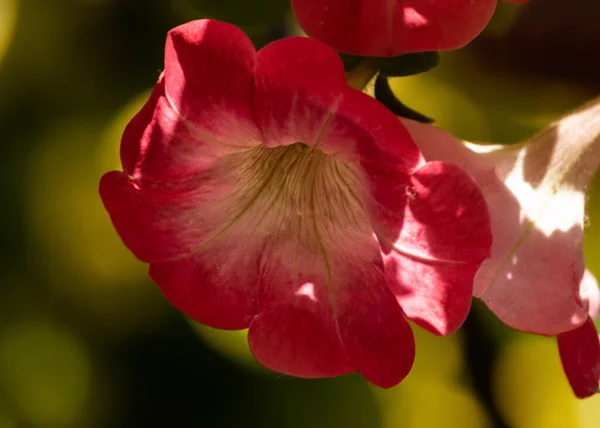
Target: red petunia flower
(261,189)
(387,28)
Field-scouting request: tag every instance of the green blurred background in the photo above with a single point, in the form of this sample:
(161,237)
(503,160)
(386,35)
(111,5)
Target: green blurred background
(87,341)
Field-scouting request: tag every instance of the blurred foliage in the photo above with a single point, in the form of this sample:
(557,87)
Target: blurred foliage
(86,340)
(80,253)
(8,16)
(591,247)
(46,372)
(479,103)
(437,392)
(532,391)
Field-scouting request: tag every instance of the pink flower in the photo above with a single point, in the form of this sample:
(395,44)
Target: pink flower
(387,28)
(536,280)
(261,188)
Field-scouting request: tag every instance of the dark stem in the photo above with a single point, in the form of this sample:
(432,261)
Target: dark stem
(480,353)
(385,95)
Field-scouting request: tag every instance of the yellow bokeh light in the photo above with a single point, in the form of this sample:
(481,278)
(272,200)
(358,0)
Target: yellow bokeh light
(451,108)
(8,17)
(8,422)
(531,389)
(83,254)
(591,242)
(425,402)
(437,357)
(475,102)
(67,209)
(46,372)
(108,153)
(432,395)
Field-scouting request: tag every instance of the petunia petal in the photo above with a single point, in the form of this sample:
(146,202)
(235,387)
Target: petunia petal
(159,227)
(208,80)
(325,310)
(299,83)
(296,330)
(444,239)
(199,110)
(393,27)
(375,333)
(164,153)
(366,129)
(132,141)
(149,224)
(218,284)
(580,355)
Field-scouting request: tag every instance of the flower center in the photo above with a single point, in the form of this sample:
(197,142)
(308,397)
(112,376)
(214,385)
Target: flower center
(298,187)
(302,147)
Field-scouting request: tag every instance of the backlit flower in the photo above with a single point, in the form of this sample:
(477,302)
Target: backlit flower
(536,280)
(387,28)
(261,189)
